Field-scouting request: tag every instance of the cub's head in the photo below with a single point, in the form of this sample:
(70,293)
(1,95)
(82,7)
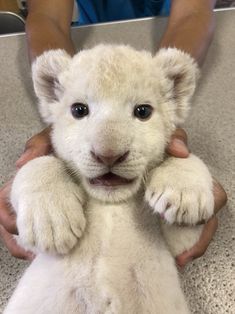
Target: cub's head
(113,110)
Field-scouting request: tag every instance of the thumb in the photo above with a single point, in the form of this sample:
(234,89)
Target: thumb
(178,144)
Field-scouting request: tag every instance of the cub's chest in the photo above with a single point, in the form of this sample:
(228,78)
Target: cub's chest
(118,229)
(118,240)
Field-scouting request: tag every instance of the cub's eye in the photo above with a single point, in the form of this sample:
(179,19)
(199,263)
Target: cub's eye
(143,112)
(79,110)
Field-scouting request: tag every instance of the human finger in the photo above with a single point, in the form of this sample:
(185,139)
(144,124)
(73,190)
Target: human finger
(36,146)
(7,216)
(178,144)
(201,246)
(13,247)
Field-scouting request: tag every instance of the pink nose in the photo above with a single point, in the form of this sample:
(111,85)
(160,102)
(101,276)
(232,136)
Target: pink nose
(110,160)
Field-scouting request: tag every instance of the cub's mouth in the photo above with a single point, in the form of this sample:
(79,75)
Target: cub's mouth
(110,179)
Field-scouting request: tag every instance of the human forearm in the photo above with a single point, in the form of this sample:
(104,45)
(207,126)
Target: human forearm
(52,38)
(48,26)
(190,27)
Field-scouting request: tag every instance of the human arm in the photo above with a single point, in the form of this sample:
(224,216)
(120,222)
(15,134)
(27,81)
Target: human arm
(190,27)
(48,26)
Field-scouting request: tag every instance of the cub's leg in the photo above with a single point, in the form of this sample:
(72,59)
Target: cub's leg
(48,205)
(181,192)
(180,238)
(45,288)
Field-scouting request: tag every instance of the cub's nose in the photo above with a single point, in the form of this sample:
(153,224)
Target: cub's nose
(110,159)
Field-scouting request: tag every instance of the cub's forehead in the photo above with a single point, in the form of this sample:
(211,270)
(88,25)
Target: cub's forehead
(107,56)
(107,71)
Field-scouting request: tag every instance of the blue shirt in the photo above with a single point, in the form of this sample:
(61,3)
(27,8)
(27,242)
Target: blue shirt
(97,11)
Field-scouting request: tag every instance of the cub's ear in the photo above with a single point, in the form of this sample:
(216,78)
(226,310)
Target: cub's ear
(180,73)
(46,71)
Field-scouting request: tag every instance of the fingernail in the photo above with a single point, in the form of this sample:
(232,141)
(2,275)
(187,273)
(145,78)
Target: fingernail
(180,145)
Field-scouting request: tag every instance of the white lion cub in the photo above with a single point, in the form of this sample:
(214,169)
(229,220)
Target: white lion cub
(92,212)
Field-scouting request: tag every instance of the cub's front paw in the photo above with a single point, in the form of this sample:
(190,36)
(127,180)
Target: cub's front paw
(49,208)
(180,190)
(49,222)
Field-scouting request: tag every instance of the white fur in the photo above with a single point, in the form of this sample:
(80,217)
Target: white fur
(102,249)
(183,197)
(47,222)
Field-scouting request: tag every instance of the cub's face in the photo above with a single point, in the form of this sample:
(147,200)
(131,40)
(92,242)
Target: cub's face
(113,110)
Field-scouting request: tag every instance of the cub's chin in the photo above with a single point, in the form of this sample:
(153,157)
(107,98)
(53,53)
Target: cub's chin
(111,188)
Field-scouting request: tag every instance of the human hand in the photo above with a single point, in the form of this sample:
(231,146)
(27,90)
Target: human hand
(38,145)
(220,199)
(178,144)
(178,148)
